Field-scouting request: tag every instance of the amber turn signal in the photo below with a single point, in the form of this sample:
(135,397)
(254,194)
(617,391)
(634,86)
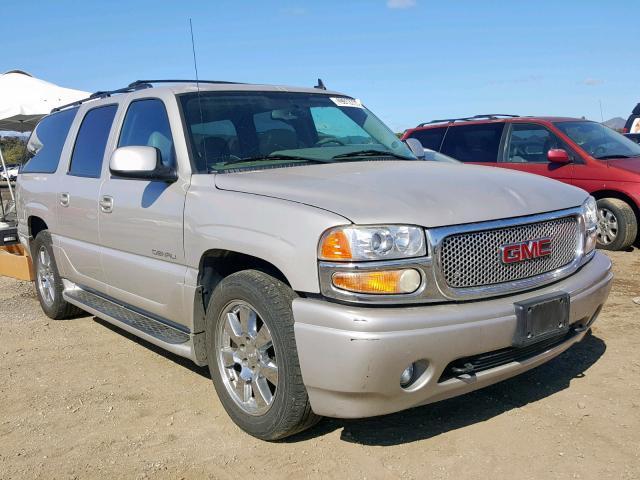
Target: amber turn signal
(381,282)
(335,246)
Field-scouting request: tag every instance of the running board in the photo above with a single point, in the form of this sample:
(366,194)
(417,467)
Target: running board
(150,329)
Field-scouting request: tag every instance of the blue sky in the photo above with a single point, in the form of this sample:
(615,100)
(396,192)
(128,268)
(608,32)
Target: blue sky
(408,60)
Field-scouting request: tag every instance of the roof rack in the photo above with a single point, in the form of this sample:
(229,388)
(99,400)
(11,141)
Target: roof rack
(488,116)
(102,94)
(132,87)
(148,83)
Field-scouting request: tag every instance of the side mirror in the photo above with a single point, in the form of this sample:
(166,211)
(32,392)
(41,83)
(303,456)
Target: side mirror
(558,155)
(416,147)
(140,162)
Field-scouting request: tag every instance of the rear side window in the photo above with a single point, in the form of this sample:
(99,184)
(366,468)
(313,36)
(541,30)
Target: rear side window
(430,138)
(88,152)
(473,143)
(147,125)
(46,142)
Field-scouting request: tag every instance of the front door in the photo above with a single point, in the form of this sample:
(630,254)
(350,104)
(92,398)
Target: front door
(78,237)
(526,150)
(141,222)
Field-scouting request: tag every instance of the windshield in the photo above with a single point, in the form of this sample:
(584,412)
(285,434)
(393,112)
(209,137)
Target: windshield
(243,130)
(599,141)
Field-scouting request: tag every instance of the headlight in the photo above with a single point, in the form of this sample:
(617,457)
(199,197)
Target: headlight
(384,242)
(590,215)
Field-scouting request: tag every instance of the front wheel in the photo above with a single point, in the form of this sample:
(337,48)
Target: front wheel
(49,286)
(617,224)
(253,358)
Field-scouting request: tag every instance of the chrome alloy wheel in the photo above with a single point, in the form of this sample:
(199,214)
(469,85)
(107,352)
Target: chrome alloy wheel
(247,358)
(44,277)
(607,226)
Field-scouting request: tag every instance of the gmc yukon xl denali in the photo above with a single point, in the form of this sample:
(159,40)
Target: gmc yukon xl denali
(288,240)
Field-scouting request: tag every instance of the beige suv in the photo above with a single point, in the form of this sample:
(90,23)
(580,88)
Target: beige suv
(288,240)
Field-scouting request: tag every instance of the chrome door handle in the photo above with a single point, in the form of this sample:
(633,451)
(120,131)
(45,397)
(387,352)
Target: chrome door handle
(64,199)
(106,204)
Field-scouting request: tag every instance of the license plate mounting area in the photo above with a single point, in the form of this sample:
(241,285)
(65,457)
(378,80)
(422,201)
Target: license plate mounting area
(541,317)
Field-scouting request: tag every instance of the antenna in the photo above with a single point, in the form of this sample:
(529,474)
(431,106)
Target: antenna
(320,85)
(195,66)
(601,116)
(195,61)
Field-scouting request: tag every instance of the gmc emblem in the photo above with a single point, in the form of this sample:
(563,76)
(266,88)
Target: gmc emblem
(519,252)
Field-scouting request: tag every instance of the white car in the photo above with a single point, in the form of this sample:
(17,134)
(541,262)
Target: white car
(11,173)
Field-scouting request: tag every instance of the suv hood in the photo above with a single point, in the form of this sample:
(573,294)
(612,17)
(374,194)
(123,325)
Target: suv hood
(428,194)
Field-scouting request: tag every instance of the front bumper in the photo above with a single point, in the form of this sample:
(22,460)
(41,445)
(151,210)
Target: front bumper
(352,357)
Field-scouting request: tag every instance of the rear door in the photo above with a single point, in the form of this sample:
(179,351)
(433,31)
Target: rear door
(475,143)
(526,150)
(141,221)
(77,200)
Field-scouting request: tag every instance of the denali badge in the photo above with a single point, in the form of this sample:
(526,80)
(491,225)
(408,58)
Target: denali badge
(518,252)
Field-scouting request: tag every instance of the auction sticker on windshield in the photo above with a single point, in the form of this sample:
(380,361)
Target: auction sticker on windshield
(347,102)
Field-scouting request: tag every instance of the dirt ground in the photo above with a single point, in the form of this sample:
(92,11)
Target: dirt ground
(82,399)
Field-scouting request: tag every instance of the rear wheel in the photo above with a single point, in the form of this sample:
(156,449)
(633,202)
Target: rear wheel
(48,282)
(253,358)
(617,224)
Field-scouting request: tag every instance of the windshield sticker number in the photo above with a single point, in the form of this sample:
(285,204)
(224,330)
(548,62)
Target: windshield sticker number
(347,102)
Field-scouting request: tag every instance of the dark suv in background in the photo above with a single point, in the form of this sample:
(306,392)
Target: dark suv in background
(575,151)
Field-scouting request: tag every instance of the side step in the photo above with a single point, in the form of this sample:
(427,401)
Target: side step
(143,326)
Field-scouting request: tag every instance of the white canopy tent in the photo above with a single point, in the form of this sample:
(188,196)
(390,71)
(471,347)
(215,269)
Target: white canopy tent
(24,100)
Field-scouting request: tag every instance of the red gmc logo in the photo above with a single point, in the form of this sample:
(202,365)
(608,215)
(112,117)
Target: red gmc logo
(519,252)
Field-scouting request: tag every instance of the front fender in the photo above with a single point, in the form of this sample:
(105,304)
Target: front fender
(281,232)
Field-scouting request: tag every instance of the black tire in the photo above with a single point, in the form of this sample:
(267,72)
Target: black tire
(56,307)
(290,411)
(625,219)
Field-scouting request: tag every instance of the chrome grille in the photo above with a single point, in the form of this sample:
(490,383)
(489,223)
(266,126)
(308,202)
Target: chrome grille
(473,259)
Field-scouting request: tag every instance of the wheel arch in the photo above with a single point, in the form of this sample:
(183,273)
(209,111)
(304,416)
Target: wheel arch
(36,224)
(214,266)
(600,194)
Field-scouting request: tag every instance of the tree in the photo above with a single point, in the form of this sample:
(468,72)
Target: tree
(13,149)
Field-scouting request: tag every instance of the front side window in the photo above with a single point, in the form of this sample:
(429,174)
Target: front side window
(244,130)
(46,142)
(473,143)
(599,141)
(146,124)
(529,143)
(88,152)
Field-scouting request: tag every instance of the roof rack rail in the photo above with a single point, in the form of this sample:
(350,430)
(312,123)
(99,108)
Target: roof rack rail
(102,94)
(150,82)
(488,116)
(132,87)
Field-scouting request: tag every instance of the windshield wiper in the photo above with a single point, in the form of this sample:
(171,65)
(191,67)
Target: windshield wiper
(371,153)
(607,157)
(275,157)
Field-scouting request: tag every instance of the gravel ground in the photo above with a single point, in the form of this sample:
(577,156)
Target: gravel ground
(82,399)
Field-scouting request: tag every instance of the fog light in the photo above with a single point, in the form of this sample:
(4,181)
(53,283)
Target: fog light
(407,376)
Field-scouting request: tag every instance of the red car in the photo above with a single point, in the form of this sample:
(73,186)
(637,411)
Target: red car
(575,151)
